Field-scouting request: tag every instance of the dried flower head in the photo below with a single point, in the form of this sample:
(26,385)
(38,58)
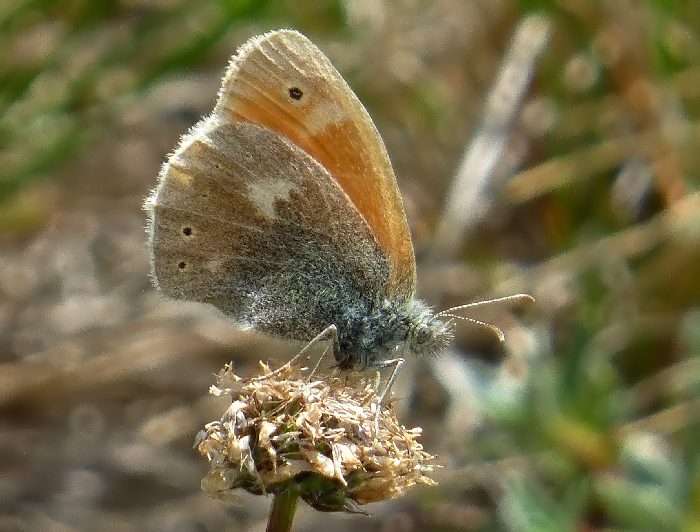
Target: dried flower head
(327,433)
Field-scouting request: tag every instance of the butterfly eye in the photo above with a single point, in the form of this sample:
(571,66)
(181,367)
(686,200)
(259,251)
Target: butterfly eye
(295,93)
(422,334)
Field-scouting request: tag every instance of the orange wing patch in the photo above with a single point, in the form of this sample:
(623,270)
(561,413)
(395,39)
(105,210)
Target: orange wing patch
(285,83)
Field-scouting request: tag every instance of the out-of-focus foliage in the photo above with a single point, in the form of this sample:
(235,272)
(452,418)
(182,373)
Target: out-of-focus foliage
(587,417)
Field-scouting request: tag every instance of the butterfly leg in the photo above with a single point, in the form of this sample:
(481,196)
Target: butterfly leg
(396,363)
(329,333)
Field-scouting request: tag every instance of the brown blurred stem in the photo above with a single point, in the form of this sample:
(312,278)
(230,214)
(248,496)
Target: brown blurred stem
(283,507)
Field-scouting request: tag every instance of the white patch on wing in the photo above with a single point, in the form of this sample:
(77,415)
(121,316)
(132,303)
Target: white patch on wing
(321,115)
(264,194)
(214,265)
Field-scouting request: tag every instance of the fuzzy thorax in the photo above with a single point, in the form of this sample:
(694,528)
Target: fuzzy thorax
(391,330)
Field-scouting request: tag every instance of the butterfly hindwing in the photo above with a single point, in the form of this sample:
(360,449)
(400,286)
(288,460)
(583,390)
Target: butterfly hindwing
(247,221)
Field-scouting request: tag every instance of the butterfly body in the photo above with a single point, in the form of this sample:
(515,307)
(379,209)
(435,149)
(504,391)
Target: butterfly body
(272,212)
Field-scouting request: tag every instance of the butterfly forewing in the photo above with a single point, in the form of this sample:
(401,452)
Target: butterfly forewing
(285,83)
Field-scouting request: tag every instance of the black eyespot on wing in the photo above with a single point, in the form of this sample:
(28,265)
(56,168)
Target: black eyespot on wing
(182,265)
(295,93)
(187,231)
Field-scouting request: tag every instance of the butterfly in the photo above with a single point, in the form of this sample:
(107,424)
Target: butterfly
(282,210)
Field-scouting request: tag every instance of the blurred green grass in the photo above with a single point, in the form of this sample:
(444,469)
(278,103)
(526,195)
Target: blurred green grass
(598,428)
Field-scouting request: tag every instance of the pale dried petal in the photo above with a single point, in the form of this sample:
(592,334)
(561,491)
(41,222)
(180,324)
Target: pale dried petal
(321,463)
(266,430)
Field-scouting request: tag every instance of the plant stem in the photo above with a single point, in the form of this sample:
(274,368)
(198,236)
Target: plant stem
(283,507)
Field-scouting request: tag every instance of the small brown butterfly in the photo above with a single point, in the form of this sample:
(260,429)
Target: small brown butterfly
(282,210)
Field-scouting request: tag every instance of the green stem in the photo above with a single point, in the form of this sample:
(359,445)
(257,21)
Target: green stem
(283,507)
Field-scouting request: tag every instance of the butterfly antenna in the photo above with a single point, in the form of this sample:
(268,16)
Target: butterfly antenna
(490,326)
(520,298)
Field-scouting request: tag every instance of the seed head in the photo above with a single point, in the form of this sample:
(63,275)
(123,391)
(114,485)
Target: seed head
(325,432)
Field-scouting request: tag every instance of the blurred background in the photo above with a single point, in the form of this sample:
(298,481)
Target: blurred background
(543,147)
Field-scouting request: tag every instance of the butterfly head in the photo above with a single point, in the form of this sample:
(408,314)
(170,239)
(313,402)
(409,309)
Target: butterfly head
(429,337)
(427,334)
